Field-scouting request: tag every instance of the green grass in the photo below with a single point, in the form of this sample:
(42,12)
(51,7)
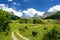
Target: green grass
(5,37)
(39,28)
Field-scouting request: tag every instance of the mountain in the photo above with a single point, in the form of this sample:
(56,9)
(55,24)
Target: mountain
(47,14)
(55,15)
(13,17)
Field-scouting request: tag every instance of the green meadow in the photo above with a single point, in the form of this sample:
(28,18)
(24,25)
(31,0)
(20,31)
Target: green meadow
(31,28)
(27,29)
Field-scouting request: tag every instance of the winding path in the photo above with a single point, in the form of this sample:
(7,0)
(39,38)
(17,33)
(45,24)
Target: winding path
(13,36)
(24,38)
(21,36)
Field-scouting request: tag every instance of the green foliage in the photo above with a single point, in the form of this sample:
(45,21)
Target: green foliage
(26,27)
(4,20)
(31,20)
(6,33)
(54,16)
(45,28)
(37,21)
(23,20)
(34,33)
(13,17)
(23,28)
(52,35)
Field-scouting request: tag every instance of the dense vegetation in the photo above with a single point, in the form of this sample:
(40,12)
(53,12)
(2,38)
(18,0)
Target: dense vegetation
(54,16)
(4,20)
(52,35)
(13,17)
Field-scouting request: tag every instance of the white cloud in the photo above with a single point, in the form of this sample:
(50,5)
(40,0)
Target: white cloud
(16,3)
(4,7)
(40,13)
(31,12)
(54,8)
(10,0)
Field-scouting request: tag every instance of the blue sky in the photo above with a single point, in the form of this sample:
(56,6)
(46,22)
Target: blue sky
(39,5)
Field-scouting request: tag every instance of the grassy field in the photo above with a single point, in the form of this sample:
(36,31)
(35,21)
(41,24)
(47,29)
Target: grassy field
(27,29)
(41,30)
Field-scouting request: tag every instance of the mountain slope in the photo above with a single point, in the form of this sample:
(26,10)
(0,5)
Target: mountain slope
(54,16)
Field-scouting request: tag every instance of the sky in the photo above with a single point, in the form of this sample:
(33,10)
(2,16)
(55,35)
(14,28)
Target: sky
(30,7)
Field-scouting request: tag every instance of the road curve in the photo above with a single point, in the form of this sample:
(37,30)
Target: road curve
(24,38)
(13,36)
(21,36)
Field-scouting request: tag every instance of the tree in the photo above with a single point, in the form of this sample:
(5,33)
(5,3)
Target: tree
(37,21)
(34,21)
(4,20)
(23,20)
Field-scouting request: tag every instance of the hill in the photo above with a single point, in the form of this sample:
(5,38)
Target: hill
(54,16)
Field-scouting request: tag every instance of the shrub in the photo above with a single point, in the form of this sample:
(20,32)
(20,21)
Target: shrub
(6,33)
(23,20)
(34,33)
(37,21)
(45,28)
(26,27)
(52,35)
(22,29)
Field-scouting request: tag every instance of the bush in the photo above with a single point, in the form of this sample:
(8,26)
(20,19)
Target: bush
(8,28)
(22,29)
(34,33)
(52,35)
(26,27)
(23,20)
(37,21)
(45,28)
(6,33)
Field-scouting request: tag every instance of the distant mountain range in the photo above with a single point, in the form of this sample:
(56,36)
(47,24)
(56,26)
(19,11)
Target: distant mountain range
(53,15)
(47,14)
(44,15)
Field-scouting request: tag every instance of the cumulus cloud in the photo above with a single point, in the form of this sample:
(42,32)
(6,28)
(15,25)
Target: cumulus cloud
(4,7)
(10,0)
(54,8)
(1,6)
(31,12)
